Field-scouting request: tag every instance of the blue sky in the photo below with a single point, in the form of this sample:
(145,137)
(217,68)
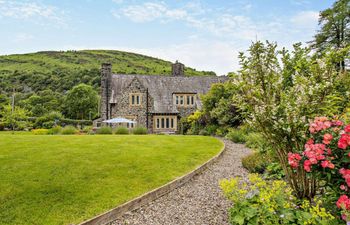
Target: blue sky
(204,34)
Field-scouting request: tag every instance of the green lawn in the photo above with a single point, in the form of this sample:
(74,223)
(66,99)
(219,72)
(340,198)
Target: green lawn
(67,179)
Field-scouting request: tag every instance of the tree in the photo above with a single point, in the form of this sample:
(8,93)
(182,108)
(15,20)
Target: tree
(279,98)
(16,118)
(81,102)
(42,103)
(218,105)
(335,29)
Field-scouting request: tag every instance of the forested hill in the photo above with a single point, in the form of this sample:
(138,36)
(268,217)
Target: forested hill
(60,71)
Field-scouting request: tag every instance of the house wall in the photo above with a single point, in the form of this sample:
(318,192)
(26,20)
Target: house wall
(122,108)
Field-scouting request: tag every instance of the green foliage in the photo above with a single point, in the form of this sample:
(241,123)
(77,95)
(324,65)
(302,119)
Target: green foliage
(40,131)
(121,130)
(87,129)
(219,107)
(256,162)
(278,97)
(104,130)
(139,130)
(335,29)
(236,135)
(81,102)
(48,120)
(271,202)
(15,119)
(257,142)
(42,103)
(55,130)
(69,130)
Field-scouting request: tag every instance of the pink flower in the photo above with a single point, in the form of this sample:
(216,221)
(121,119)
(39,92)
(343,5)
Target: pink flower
(343,187)
(294,159)
(327,138)
(347,128)
(307,165)
(344,141)
(338,123)
(326,164)
(343,202)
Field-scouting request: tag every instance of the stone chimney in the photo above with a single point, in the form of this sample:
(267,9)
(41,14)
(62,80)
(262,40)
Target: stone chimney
(106,79)
(178,69)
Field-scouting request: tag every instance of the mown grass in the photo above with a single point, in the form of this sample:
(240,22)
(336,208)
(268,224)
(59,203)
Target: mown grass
(67,179)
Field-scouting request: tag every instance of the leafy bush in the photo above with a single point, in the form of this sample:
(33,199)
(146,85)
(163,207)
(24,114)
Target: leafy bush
(271,202)
(87,130)
(104,130)
(204,132)
(256,162)
(140,130)
(257,141)
(2,126)
(40,131)
(48,120)
(55,130)
(68,130)
(121,130)
(236,135)
(326,157)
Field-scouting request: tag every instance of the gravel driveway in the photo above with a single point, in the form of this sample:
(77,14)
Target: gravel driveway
(200,201)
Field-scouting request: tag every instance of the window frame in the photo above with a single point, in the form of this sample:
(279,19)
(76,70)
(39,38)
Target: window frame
(135,99)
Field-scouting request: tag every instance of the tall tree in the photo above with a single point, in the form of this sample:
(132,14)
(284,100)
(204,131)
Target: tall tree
(81,102)
(335,29)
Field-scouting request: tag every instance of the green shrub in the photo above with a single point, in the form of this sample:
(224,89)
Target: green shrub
(211,129)
(87,130)
(104,130)
(236,135)
(204,132)
(48,120)
(68,130)
(140,130)
(257,141)
(55,130)
(257,201)
(40,131)
(256,162)
(2,126)
(121,130)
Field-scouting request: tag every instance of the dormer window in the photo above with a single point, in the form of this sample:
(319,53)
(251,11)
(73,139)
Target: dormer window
(135,99)
(184,100)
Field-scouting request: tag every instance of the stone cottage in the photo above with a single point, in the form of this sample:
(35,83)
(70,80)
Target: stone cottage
(153,101)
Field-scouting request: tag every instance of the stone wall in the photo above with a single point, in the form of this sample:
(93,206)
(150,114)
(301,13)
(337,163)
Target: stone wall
(123,108)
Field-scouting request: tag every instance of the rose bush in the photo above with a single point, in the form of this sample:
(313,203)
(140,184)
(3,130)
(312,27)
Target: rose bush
(326,157)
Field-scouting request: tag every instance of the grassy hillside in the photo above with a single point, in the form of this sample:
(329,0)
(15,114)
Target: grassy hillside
(60,71)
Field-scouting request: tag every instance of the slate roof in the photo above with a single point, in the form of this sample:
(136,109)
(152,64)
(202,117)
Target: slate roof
(161,88)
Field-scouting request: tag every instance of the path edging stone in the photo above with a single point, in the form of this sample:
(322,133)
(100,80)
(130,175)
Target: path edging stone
(150,196)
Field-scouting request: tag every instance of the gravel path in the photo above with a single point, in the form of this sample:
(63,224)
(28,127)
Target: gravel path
(199,201)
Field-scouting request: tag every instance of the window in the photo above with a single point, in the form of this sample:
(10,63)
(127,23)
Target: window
(165,122)
(135,99)
(184,100)
(130,125)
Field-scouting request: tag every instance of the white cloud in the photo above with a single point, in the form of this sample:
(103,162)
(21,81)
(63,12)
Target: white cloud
(150,11)
(306,19)
(118,1)
(22,37)
(28,9)
(300,2)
